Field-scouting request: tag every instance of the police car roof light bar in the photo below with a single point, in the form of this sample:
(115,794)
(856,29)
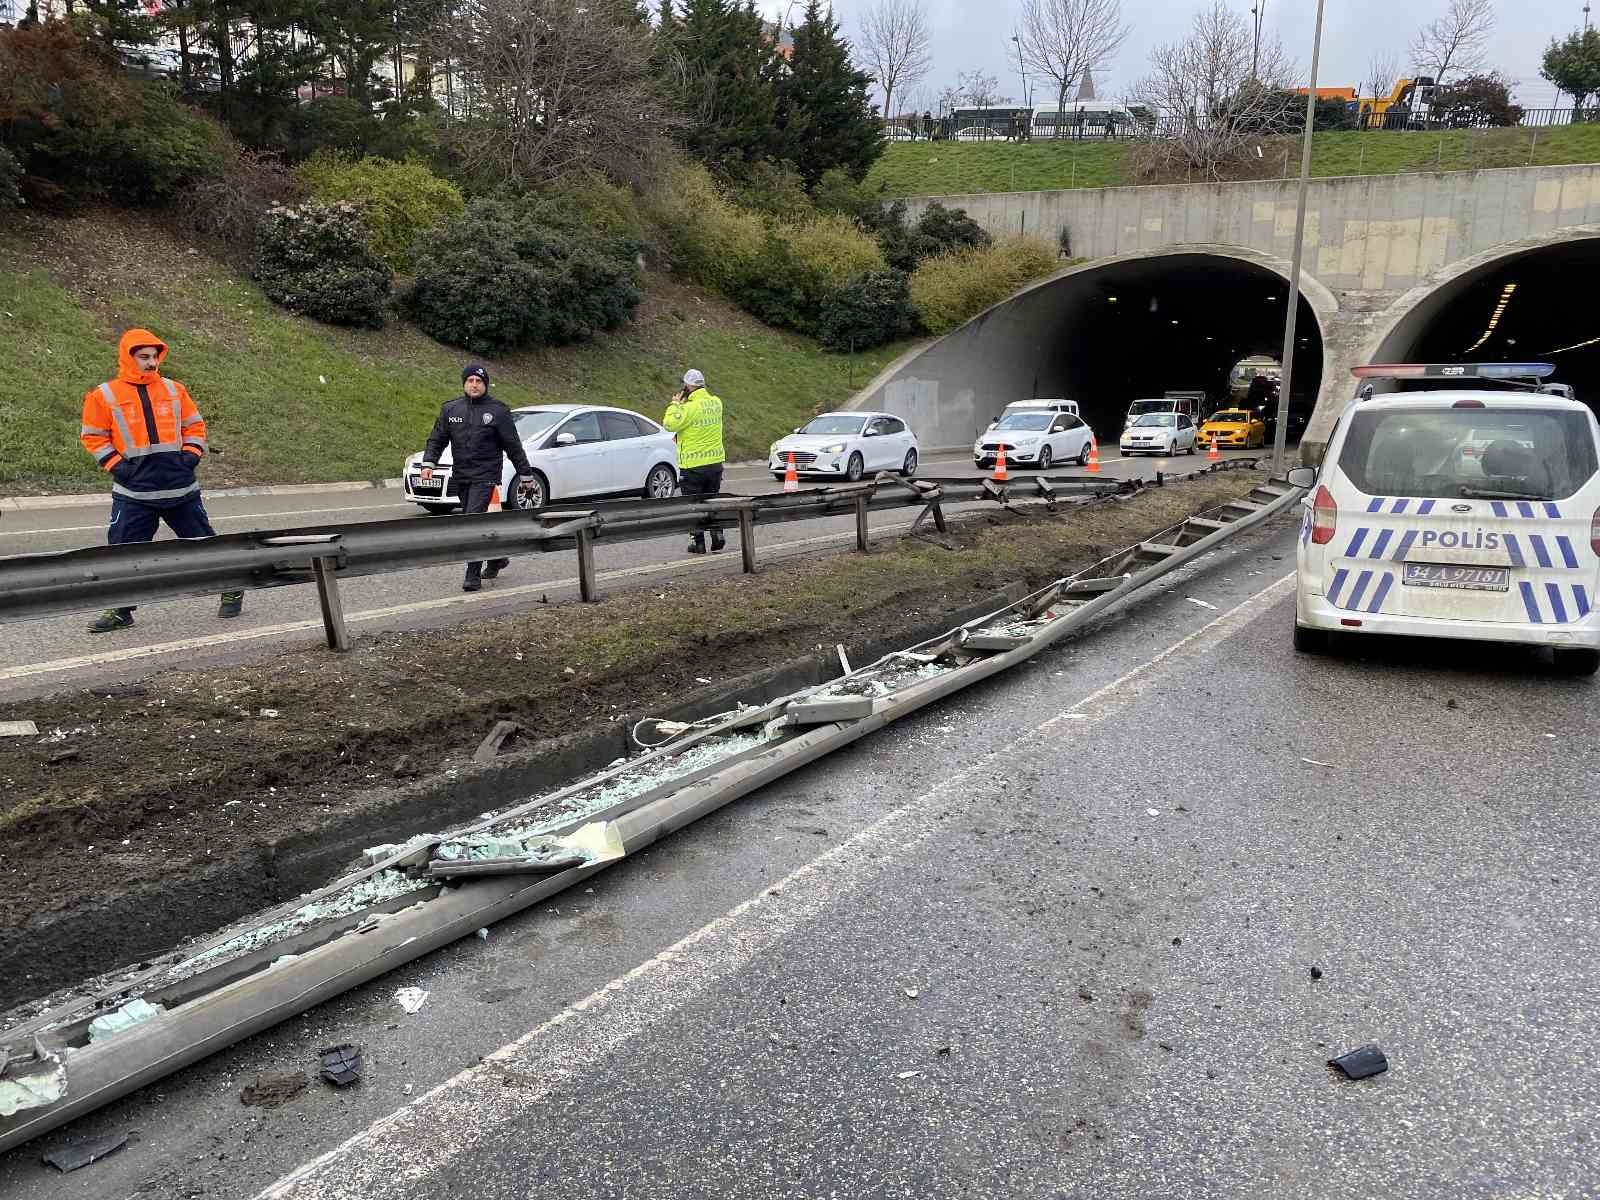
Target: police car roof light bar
(1535,370)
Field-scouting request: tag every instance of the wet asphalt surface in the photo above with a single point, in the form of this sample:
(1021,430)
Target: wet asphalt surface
(1108,920)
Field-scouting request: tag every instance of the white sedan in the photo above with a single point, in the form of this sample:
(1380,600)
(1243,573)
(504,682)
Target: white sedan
(1165,433)
(851,444)
(575,450)
(1037,437)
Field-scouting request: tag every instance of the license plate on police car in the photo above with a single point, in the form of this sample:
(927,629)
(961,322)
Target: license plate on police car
(1462,579)
(418,484)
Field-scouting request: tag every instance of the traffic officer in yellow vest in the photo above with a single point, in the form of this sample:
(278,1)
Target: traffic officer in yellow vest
(695,415)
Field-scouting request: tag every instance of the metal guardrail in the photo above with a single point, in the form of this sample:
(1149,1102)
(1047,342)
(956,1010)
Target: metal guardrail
(50,584)
(255,974)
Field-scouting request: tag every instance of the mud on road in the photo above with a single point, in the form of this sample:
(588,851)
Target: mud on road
(141,784)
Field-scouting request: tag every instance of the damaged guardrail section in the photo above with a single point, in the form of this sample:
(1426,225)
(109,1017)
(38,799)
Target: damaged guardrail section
(67,1056)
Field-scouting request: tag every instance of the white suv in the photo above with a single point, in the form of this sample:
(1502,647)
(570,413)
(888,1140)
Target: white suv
(1455,514)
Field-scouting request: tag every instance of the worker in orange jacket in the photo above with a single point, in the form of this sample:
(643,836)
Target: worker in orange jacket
(145,431)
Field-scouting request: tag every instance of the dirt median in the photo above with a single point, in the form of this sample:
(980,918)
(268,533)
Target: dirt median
(141,786)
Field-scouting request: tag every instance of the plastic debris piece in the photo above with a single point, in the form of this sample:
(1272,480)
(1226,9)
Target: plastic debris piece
(1153,812)
(341,1064)
(34,1080)
(269,1091)
(907,1074)
(269,712)
(72,1155)
(411,999)
(912,993)
(1200,603)
(134,1012)
(483,935)
(1360,1063)
(18,729)
(1316,762)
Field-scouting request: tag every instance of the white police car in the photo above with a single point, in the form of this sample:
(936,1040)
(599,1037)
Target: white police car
(1456,514)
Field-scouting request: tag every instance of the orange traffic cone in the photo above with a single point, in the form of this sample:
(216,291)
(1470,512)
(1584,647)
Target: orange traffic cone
(1094,457)
(1001,475)
(1213,454)
(494,500)
(791,477)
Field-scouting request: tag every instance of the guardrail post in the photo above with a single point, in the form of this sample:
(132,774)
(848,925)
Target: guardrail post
(586,581)
(323,567)
(747,538)
(861,523)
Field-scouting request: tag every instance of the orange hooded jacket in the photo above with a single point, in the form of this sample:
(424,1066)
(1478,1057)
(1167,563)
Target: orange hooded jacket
(144,429)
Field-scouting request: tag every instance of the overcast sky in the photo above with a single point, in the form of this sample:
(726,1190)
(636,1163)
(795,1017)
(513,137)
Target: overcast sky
(975,34)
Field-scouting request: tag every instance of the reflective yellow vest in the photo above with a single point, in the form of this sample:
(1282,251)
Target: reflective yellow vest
(697,420)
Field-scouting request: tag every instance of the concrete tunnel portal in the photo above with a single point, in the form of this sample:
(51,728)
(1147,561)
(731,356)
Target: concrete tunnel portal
(1106,334)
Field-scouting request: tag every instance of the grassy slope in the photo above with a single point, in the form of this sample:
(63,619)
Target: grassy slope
(68,288)
(949,168)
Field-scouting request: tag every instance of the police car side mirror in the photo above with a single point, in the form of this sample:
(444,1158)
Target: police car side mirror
(1302,477)
(566,439)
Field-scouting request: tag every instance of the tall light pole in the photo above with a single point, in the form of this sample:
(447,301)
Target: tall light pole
(1287,380)
(1258,11)
(1022,68)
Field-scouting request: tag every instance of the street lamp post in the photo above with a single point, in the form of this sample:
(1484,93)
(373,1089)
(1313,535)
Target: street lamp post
(1257,11)
(1022,69)
(1286,384)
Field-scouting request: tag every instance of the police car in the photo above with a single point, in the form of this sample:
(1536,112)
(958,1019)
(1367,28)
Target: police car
(1470,514)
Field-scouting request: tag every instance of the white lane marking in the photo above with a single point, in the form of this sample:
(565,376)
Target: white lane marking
(215,518)
(131,653)
(418,1140)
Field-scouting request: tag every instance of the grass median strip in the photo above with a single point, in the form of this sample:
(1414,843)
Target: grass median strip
(190,765)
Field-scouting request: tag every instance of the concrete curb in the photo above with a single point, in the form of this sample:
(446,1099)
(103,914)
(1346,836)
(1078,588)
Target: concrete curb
(60,949)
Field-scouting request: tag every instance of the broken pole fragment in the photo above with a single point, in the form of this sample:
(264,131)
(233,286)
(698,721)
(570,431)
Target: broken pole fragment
(490,746)
(1361,1063)
(824,710)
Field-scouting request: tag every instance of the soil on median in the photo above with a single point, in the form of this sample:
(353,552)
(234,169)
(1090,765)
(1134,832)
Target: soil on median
(186,766)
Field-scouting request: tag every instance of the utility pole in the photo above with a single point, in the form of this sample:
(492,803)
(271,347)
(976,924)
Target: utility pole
(1022,68)
(1258,11)
(1286,382)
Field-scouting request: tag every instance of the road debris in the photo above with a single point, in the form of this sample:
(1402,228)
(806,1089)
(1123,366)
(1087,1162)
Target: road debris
(269,712)
(1201,603)
(908,1074)
(61,756)
(411,999)
(269,1091)
(18,729)
(490,746)
(1316,762)
(71,1156)
(134,1012)
(483,935)
(1154,812)
(912,993)
(1360,1063)
(341,1064)
(30,1080)
(1316,973)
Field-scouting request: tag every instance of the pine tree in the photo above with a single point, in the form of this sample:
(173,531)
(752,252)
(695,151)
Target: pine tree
(825,117)
(723,78)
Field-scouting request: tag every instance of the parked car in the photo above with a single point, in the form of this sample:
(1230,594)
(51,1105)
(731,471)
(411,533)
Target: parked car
(1234,427)
(1034,437)
(575,450)
(1166,404)
(1165,433)
(848,444)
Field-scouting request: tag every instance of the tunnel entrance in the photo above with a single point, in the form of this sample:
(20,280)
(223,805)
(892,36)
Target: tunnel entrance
(1533,306)
(1143,327)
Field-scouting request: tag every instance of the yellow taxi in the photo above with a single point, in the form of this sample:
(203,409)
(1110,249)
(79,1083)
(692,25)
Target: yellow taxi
(1233,427)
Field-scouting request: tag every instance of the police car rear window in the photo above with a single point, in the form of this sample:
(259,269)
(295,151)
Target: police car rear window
(1440,453)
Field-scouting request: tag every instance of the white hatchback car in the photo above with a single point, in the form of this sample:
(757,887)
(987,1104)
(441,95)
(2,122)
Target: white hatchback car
(1165,433)
(1456,514)
(850,444)
(1036,437)
(575,450)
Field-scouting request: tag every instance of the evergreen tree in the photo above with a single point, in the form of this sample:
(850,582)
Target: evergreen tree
(824,115)
(722,74)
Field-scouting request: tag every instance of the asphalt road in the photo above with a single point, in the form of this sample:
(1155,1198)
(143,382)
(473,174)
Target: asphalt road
(1052,937)
(44,655)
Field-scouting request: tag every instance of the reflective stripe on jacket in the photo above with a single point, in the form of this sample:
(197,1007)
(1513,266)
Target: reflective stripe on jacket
(143,429)
(697,420)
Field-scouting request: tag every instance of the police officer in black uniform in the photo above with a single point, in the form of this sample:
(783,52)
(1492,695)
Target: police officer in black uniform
(478,429)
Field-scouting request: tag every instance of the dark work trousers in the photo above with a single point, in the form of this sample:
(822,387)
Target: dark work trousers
(133,521)
(703,481)
(475,499)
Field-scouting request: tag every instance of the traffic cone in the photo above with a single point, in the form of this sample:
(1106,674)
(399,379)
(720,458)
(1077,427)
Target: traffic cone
(791,477)
(1001,475)
(1213,454)
(1094,457)
(494,500)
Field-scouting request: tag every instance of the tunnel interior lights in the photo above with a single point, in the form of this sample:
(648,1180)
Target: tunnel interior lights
(1536,370)
(1494,317)
(1575,346)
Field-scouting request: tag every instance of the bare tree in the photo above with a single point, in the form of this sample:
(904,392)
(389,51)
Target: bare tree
(1063,39)
(894,47)
(552,86)
(1383,70)
(978,89)
(1203,87)
(1455,42)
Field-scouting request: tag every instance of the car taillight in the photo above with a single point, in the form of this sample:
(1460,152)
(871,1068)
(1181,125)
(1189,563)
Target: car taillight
(1594,532)
(1325,517)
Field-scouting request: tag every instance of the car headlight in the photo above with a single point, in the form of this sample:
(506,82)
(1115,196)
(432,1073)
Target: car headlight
(836,448)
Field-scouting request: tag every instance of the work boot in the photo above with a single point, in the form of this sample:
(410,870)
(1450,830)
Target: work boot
(232,604)
(697,546)
(112,618)
(718,543)
(495,566)
(472,582)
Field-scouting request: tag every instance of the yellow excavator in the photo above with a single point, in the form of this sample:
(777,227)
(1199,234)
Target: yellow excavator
(1409,96)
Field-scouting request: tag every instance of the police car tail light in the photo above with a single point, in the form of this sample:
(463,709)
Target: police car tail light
(1469,404)
(1324,517)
